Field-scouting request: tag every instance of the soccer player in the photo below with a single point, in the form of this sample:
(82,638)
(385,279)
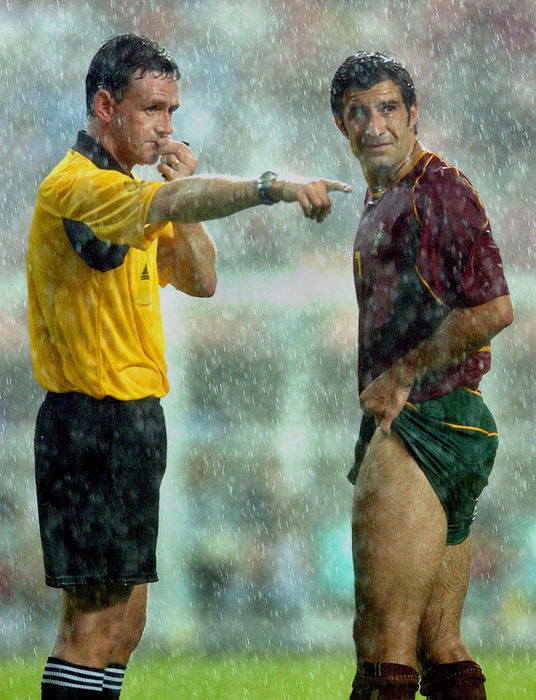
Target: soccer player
(101,243)
(431,295)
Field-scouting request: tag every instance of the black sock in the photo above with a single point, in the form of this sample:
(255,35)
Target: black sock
(63,680)
(113,681)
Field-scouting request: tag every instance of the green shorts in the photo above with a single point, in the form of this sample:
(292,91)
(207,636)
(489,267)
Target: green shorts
(453,440)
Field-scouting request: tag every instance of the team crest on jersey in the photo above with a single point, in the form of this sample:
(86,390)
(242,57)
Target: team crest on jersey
(380,234)
(144,273)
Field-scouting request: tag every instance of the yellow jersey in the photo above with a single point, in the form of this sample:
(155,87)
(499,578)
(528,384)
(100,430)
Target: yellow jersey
(93,283)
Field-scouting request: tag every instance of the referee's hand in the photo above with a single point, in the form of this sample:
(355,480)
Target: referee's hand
(311,193)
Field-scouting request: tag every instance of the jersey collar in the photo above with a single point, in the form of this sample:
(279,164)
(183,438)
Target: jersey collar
(97,154)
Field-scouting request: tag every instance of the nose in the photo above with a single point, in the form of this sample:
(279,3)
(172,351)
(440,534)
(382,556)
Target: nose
(375,126)
(165,127)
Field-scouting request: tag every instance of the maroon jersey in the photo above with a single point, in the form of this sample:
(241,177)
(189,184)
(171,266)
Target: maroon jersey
(422,248)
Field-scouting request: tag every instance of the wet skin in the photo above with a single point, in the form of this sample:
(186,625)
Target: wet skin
(140,123)
(379,128)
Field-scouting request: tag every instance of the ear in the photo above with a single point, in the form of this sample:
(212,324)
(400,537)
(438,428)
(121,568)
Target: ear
(413,116)
(340,126)
(103,105)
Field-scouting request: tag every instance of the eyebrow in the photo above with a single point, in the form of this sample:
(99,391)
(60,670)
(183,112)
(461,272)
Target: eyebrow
(390,103)
(156,102)
(353,107)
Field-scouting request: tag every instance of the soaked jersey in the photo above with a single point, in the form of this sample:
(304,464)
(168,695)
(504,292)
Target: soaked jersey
(423,248)
(93,282)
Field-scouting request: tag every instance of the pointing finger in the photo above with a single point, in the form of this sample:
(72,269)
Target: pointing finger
(337,186)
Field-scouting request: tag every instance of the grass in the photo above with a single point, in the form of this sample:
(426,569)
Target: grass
(510,676)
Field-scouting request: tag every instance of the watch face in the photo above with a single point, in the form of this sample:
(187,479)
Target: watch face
(264,184)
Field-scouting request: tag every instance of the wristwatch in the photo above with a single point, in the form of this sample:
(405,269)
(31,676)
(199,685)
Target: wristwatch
(264,183)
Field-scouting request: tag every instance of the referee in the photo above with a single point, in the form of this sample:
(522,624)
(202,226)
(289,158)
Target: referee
(101,243)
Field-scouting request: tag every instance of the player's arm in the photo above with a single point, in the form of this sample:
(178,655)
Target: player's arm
(462,333)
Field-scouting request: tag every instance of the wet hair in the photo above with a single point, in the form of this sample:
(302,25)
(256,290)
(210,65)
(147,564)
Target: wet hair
(119,58)
(363,70)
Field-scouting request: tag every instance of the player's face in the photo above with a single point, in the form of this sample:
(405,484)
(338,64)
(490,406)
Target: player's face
(380,130)
(142,119)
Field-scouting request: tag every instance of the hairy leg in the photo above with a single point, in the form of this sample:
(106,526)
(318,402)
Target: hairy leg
(399,533)
(91,622)
(439,635)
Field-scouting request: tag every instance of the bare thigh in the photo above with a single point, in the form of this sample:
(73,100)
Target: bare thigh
(399,534)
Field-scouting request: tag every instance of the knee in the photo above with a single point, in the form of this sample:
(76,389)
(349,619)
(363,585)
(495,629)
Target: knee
(89,644)
(92,622)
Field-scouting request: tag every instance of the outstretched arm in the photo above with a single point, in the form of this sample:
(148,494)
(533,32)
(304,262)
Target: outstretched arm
(189,257)
(194,199)
(463,332)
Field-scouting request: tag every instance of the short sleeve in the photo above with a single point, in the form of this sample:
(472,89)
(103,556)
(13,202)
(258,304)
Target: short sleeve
(458,256)
(113,205)
(483,277)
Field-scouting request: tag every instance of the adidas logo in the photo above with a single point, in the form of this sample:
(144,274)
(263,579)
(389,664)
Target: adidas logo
(144,273)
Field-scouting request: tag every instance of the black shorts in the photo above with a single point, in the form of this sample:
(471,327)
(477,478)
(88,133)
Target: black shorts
(98,469)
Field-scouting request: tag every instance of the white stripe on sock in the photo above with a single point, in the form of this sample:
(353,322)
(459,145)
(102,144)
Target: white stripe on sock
(72,685)
(80,670)
(72,676)
(113,678)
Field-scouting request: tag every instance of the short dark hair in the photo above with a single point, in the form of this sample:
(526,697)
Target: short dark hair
(119,58)
(364,69)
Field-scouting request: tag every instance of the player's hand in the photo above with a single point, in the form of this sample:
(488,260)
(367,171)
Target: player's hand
(386,396)
(312,194)
(176,159)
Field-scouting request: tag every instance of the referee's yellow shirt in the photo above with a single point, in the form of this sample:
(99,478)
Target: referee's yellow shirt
(93,285)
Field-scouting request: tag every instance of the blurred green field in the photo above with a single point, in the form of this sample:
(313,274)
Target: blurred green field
(304,677)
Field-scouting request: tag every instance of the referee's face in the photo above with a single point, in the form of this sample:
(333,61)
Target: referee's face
(380,130)
(142,119)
